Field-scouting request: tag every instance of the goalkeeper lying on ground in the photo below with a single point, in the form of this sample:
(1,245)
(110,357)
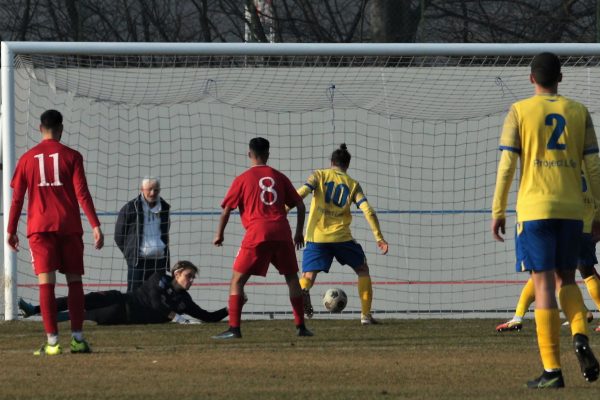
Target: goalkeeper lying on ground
(160,299)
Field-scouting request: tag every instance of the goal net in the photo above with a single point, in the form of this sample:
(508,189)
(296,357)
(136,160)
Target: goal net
(423,132)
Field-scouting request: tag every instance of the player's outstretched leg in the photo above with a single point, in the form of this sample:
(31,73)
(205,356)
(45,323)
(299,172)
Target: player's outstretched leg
(28,309)
(525,299)
(512,325)
(587,361)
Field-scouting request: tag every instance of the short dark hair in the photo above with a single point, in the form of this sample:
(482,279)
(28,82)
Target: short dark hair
(51,120)
(340,157)
(260,147)
(183,264)
(545,68)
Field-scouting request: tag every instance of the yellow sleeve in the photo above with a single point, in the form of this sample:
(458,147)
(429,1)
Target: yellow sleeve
(304,191)
(510,138)
(506,172)
(590,142)
(592,166)
(372,219)
(592,163)
(310,185)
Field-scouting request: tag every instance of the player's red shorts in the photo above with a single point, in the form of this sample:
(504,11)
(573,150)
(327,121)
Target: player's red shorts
(255,260)
(51,252)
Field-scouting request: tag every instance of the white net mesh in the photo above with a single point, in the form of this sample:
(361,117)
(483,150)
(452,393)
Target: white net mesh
(423,133)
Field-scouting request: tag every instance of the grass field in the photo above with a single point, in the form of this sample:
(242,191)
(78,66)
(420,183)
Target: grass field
(408,359)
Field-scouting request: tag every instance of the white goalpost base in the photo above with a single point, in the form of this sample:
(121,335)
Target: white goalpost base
(422,122)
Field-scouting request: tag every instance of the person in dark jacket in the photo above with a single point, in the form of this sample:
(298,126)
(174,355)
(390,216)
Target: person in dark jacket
(142,234)
(160,299)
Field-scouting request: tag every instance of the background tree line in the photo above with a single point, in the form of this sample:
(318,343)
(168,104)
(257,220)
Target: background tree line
(301,20)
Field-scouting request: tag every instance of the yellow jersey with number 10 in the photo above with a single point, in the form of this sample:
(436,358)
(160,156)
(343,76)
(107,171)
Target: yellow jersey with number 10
(552,134)
(330,216)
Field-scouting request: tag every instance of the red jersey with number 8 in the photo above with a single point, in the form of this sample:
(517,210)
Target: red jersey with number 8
(52,175)
(261,194)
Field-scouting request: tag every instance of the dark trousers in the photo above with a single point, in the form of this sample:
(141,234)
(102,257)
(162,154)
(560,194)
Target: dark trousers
(104,308)
(144,268)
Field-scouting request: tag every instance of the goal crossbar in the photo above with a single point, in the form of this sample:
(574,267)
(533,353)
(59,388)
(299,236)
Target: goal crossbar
(9,50)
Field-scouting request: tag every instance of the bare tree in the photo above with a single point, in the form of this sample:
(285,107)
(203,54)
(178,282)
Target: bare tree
(301,20)
(396,21)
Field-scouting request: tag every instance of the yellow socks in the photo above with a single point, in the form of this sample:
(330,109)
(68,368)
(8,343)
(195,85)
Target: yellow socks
(548,333)
(527,297)
(572,305)
(593,286)
(365,292)
(305,283)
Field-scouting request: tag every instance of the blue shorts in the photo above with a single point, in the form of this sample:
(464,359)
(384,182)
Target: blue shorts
(319,256)
(548,244)
(587,251)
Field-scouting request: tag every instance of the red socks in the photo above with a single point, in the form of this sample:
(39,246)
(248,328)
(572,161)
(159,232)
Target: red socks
(298,309)
(76,303)
(48,307)
(236,302)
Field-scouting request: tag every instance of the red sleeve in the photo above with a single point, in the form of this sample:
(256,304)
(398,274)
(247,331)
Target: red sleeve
(19,186)
(291,195)
(83,194)
(232,198)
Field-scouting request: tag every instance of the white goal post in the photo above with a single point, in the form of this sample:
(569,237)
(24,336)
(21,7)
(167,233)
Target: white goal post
(421,121)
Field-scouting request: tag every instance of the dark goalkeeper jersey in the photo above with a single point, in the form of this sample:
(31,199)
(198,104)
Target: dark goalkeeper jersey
(157,298)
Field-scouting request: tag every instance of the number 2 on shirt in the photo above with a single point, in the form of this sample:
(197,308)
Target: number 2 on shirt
(54,157)
(558,130)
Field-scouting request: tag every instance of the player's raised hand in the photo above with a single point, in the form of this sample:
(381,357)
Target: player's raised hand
(498,226)
(383,246)
(299,240)
(13,241)
(98,238)
(218,240)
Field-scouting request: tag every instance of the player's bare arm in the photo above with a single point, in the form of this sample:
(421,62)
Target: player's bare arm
(98,238)
(218,240)
(498,226)
(383,246)
(13,241)
(506,171)
(299,236)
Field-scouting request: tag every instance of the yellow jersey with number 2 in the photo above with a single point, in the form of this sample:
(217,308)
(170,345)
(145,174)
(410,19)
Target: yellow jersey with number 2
(552,134)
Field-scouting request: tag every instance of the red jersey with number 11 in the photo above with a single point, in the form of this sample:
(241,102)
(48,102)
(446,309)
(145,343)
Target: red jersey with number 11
(52,175)
(261,194)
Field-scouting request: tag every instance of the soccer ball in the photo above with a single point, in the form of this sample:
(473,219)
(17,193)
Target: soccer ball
(335,300)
